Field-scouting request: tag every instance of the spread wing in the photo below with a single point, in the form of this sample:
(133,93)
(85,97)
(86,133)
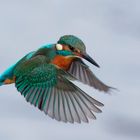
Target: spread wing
(82,72)
(48,88)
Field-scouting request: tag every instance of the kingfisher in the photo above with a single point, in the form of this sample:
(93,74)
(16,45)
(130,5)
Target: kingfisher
(45,78)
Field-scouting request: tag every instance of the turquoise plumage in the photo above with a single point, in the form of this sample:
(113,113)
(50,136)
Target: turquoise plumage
(44,77)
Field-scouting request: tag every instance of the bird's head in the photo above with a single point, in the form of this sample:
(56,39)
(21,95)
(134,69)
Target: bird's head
(71,46)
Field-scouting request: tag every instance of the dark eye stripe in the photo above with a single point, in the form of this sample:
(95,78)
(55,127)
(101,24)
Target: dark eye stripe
(71,48)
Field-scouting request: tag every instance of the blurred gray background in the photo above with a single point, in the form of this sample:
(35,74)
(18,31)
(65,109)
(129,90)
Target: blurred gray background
(111,32)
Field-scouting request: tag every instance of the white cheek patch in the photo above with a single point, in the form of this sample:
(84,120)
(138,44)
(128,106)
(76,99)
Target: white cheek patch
(59,47)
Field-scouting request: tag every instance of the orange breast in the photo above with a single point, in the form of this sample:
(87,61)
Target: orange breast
(62,61)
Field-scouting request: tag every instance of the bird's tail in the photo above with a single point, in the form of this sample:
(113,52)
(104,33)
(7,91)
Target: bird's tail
(1,80)
(7,76)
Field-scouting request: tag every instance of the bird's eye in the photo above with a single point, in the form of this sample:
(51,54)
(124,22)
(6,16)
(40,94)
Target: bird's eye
(59,47)
(71,48)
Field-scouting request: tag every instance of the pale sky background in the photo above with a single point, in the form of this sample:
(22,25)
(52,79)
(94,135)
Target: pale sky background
(111,32)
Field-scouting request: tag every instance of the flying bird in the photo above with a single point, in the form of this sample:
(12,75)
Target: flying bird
(44,77)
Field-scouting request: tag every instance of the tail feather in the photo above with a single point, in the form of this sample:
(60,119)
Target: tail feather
(8,74)
(1,83)
(1,80)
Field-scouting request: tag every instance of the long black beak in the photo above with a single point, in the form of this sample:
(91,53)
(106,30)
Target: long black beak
(88,58)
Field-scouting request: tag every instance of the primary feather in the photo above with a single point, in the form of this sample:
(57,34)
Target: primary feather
(82,72)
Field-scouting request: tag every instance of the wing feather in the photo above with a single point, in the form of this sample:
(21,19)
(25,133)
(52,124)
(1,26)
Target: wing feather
(50,111)
(80,109)
(56,106)
(49,88)
(62,107)
(82,72)
(47,102)
(68,111)
(74,109)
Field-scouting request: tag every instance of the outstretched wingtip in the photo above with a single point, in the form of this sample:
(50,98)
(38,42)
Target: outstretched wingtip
(112,90)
